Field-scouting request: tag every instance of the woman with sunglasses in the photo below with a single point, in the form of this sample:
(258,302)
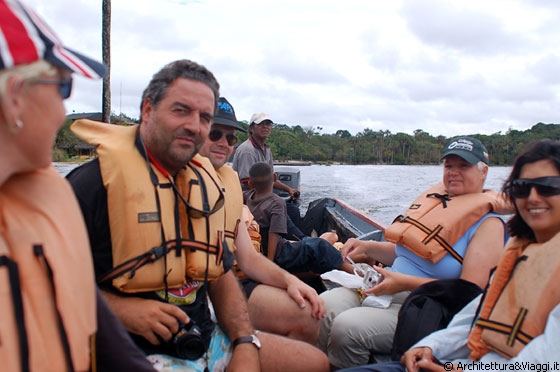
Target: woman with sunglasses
(517,325)
(50,311)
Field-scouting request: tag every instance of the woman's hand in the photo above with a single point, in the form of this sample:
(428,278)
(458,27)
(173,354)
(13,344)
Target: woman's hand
(422,359)
(354,247)
(391,283)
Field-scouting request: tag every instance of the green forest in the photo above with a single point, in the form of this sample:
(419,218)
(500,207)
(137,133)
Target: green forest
(296,143)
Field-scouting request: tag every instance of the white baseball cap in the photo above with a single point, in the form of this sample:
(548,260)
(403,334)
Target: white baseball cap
(259,118)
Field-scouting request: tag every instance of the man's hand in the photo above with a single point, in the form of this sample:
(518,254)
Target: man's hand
(299,292)
(147,318)
(294,194)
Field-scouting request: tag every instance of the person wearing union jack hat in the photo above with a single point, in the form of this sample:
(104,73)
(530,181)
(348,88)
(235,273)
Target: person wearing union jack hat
(53,318)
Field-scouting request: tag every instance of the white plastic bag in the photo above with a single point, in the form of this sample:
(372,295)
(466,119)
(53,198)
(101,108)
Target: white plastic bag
(381,302)
(354,281)
(343,278)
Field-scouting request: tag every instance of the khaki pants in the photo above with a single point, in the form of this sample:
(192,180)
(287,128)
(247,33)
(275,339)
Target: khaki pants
(350,332)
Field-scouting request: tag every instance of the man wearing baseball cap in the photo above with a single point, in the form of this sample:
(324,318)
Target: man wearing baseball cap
(256,150)
(296,309)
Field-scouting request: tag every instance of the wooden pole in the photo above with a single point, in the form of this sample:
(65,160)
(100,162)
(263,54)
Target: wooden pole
(106,41)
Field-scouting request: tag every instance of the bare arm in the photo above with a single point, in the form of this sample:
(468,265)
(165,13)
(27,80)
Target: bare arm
(282,186)
(394,282)
(273,239)
(483,252)
(147,318)
(380,251)
(261,269)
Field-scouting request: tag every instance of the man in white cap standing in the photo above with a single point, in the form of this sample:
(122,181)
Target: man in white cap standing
(256,150)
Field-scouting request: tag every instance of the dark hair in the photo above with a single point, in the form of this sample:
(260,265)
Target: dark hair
(184,68)
(262,175)
(545,149)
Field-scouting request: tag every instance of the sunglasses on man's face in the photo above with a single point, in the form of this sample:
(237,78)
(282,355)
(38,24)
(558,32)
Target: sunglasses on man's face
(64,85)
(216,135)
(545,186)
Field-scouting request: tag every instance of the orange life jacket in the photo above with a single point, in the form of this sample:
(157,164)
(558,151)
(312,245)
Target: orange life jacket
(234,202)
(42,229)
(237,212)
(435,222)
(523,292)
(252,227)
(150,246)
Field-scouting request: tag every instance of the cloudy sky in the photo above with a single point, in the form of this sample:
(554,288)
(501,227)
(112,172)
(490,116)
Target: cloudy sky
(446,67)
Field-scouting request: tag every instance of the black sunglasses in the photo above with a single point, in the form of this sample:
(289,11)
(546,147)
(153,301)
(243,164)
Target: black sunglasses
(216,134)
(545,186)
(64,85)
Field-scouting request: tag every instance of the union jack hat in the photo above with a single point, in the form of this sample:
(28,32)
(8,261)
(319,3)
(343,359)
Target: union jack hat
(26,38)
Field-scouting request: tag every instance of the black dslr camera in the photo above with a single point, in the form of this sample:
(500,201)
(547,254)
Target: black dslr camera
(187,342)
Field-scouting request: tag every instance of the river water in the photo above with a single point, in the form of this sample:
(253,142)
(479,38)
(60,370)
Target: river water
(381,191)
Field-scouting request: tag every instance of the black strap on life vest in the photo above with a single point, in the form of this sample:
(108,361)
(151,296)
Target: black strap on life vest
(513,331)
(39,253)
(444,198)
(431,234)
(15,289)
(155,254)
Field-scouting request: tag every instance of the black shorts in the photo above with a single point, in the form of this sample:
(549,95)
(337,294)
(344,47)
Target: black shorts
(248,286)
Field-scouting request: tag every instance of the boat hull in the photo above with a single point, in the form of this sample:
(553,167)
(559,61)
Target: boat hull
(331,214)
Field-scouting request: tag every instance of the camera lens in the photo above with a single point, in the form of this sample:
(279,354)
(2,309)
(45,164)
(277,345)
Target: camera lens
(188,342)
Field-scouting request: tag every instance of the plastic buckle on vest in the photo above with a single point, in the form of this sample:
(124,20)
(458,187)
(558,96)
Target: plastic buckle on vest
(401,218)
(157,252)
(444,198)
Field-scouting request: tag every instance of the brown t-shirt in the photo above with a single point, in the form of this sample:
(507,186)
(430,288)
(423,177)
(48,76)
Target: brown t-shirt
(270,213)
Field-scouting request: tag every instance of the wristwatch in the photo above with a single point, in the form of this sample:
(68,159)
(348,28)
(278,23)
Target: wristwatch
(253,339)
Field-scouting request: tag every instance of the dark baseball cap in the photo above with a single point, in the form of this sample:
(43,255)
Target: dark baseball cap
(226,115)
(26,38)
(468,148)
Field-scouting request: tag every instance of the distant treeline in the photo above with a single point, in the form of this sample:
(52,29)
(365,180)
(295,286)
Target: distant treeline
(384,147)
(366,147)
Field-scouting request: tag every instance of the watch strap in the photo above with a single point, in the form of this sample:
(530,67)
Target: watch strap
(251,339)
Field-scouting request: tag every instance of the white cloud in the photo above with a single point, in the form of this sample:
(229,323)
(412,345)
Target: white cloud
(460,67)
